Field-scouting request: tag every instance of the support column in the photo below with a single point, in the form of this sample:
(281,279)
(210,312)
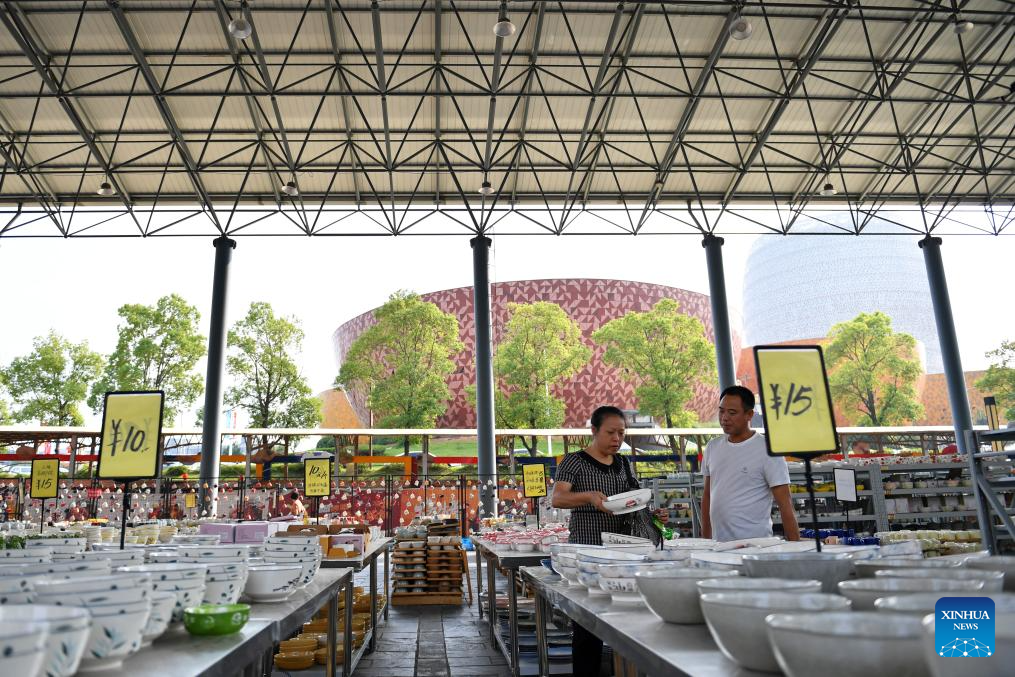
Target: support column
(720,311)
(211,441)
(487,452)
(954,376)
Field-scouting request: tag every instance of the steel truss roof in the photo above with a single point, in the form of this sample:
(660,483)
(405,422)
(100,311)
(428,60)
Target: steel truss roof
(594,117)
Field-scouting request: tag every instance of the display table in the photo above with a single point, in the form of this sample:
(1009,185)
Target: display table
(632,630)
(369,557)
(499,556)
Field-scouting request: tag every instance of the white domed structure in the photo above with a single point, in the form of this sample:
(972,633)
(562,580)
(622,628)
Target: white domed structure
(797,287)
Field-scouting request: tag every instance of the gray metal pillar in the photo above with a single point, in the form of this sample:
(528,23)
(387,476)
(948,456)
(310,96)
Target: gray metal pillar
(954,376)
(211,442)
(486,447)
(720,311)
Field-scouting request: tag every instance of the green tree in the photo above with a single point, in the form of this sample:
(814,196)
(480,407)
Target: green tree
(873,370)
(267,384)
(158,348)
(664,352)
(999,380)
(541,346)
(402,362)
(48,385)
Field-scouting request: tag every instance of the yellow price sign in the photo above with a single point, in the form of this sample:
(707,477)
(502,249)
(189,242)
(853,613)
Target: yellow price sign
(190,501)
(131,430)
(45,477)
(796,400)
(534,480)
(317,477)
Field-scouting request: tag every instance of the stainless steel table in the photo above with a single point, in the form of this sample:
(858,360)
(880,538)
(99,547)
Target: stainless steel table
(369,557)
(656,648)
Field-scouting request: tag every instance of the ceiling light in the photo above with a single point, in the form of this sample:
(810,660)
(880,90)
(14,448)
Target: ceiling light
(828,190)
(290,189)
(240,28)
(106,188)
(486,189)
(741,29)
(963,27)
(504,28)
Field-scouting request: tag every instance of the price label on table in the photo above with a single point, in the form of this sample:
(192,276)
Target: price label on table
(45,477)
(131,432)
(534,480)
(317,477)
(845,484)
(796,401)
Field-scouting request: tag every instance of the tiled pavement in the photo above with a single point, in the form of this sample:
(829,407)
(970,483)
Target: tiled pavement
(434,641)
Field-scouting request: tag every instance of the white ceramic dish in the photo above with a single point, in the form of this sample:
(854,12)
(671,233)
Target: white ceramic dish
(865,591)
(112,638)
(993,581)
(629,501)
(272,582)
(222,592)
(867,568)
(159,618)
(736,621)
(922,603)
(1002,563)
(745,584)
(168,572)
(23,553)
(95,597)
(1003,650)
(829,568)
(66,634)
(121,581)
(672,594)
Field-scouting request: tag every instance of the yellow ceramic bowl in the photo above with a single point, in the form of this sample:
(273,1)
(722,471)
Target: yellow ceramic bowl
(297,645)
(321,656)
(294,660)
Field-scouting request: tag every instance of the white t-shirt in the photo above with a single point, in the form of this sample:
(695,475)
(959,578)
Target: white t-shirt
(742,475)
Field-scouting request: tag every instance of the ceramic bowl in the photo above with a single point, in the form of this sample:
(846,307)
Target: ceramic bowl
(113,637)
(1004,649)
(672,594)
(745,584)
(993,581)
(223,592)
(291,540)
(188,594)
(846,644)
(76,542)
(95,597)
(66,634)
(295,660)
(867,568)
(590,581)
(608,556)
(160,617)
(17,637)
(617,580)
(865,591)
(168,572)
(99,567)
(922,603)
(216,619)
(569,574)
(1002,563)
(829,568)
(229,568)
(669,556)
(83,584)
(628,500)
(291,547)
(205,551)
(727,561)
(737,621)
(17,597)
(272,582)
(8,556)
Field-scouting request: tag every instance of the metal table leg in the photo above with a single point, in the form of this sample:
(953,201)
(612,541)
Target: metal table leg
(491,597)
(541,645)
(387,579)
(479,578)
(373,603)
(347,635)
(330,670)
(513,620)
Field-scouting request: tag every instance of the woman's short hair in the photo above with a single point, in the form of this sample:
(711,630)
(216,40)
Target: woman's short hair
(745,395)
(602,412)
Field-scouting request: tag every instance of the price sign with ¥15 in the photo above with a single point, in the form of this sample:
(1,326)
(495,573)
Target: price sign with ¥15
(796,401)
(317,477)
(45,477)
(131,435)
(534,480)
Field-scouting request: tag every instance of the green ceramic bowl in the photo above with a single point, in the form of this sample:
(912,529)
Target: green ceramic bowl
(215,619)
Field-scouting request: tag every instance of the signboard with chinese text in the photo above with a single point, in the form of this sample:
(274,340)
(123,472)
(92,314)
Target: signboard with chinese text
(316,477)
(796,401)
(534,480)
(190,501)
(45,477)
(131,432)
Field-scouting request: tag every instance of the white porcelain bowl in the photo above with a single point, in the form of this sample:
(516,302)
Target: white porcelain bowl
(1004,649)
(18,637)
(17,597)
(993,581)
(65,638)
(23,553)
(846,644)
(223,592)
(113,637)
(91,598)
(1003,563)
(273,582)
(727,561)
(569,574)
(672,594)
(745,584)
(923,603)
(168,572)
(159,618)
(76,567)
(291,540)
(608,556)
(829,568)
(292,547)
(289,556)
(669,555)
(617,580)
(214,550)
(56,542)
(83,584)
(865,591)
(737,621)
(867,568)
(628,501)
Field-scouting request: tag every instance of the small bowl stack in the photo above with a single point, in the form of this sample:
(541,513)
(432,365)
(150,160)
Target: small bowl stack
(186,581)
(23,648)
(26,556)
(66,631)
(227,570)
(16,590)
(195,539)
(302,550)
(69,548)
(118,558)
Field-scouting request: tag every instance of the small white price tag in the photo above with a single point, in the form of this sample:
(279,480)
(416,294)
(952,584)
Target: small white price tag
(845,484)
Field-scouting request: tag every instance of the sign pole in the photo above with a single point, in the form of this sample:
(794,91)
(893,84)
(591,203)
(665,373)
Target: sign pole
(814,503)
(42,517)
(123,519)
(535,502)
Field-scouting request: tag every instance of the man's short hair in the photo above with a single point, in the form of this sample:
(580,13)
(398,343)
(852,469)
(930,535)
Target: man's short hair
(745,395)
(602,412)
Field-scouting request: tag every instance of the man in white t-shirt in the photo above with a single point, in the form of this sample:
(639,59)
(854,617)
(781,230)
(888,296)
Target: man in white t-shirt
(741,479)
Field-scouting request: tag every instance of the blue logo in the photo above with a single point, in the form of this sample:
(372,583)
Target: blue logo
(964,627)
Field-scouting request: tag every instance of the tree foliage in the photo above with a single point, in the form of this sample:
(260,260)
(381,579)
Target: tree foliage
(267,384)
(873,371)
(664,352)
(999,380)
(157,349)
(541,346)
(402,362)
(50,383)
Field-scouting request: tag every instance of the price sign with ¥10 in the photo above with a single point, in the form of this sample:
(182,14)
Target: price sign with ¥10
(317,477)
(796,401)
(45,477)
(131,435)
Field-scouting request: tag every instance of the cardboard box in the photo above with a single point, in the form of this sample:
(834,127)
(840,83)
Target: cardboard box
(224,531)
(318,529)
(358,541)
(250,532)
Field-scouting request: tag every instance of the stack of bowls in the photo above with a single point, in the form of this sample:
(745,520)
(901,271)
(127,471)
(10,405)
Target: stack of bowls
(618,581)
(16,590)
(26,556)
(867,568)
(589,560)
(22,648)
(672,594)
(922,603)
(227,570)
(73,568)
(993,581)
(66,635)
(68,548)
(302,550)
(185,580)
(865,591)
(118,558)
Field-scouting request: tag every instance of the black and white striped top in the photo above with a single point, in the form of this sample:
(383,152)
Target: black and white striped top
(585,473)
